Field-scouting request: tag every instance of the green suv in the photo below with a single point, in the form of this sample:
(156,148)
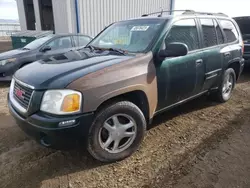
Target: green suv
(108,92)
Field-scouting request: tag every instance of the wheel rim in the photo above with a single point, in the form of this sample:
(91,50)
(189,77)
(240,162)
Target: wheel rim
(117,133)
(227,86)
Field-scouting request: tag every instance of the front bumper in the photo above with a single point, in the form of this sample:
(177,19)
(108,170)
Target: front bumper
(7,71)
(45,130)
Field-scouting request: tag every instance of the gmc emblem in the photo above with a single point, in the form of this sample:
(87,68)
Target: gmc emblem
(19,93)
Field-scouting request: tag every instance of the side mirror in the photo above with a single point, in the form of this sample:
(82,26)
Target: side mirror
(46,48)
(174,49)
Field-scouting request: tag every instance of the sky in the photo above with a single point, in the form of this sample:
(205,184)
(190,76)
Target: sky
(232,8)
(8,9)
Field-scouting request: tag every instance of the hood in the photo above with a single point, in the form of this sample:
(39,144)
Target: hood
(12,53)
(59,71)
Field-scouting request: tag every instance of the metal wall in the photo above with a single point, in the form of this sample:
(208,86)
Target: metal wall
(64,16)
(21,14)
(94,15)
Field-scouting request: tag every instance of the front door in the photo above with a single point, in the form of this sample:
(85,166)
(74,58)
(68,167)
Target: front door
(58,46)
(178,76)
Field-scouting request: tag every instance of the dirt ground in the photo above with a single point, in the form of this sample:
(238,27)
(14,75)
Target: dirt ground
(5,45)
(183,148)
(225,166)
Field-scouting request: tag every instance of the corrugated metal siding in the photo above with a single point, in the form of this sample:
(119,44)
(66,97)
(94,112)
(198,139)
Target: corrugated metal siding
(94,15)
(64,16)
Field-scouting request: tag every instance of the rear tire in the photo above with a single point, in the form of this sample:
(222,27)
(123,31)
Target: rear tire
(227,85)
(116,132)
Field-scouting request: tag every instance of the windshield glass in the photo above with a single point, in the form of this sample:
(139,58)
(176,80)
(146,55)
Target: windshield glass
(38,42)
(131,35)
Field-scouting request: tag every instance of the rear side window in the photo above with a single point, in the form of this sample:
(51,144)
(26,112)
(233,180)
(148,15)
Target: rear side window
(229,30)
(219,33)
(184,31)
(209,32)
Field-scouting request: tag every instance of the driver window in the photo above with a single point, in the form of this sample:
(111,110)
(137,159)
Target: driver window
(60,43)
(184,31)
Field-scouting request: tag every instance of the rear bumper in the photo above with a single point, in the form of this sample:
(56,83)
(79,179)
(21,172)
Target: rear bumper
(45,130)
(247,58)
(242,64)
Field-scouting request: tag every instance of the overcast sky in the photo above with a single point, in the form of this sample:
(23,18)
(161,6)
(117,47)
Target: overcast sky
(8,9)
(230,7)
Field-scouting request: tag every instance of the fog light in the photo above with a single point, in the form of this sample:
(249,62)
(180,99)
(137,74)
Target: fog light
(67,123)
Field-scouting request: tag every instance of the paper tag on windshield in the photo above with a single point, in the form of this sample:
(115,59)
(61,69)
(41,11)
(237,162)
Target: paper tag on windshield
(140,28)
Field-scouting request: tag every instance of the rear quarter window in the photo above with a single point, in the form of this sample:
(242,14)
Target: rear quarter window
(229,30)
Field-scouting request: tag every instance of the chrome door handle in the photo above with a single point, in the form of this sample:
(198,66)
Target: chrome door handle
(199,61)
(227,54)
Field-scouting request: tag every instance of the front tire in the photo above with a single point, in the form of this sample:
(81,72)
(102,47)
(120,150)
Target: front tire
(225,90)
(116,132)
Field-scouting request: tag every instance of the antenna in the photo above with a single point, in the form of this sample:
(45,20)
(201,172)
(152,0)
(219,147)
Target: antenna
(160,15)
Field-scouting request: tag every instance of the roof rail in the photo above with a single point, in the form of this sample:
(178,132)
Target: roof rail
(185,12)
(163,11)
(206,13)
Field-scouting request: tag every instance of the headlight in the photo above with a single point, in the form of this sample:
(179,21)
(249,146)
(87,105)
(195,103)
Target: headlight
(61,102)
(4,62)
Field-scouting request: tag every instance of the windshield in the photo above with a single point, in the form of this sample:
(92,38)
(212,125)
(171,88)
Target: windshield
(131,35)
(38,42)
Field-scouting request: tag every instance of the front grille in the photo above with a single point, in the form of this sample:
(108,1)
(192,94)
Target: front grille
(22,94)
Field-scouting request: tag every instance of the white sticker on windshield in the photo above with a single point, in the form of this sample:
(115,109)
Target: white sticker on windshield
(140,28)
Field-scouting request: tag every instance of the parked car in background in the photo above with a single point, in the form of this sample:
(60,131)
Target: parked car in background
(40,48)
(244,25)
(109,91)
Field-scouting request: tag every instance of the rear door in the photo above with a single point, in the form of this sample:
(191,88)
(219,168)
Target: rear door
(212,39)
(233,48)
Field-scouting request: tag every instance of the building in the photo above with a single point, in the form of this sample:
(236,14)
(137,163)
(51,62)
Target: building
(82,16)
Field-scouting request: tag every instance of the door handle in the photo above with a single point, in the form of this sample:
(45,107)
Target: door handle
(227,54)
(198,62)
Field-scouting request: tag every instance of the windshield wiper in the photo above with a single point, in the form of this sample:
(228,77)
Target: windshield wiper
(92,48)
(117,50)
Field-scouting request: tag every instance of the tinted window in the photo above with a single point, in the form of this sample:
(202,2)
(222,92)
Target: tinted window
(81,40)
(184,31)
(38,42)
(208,32)
(60,43)
(219,33)
(229,30)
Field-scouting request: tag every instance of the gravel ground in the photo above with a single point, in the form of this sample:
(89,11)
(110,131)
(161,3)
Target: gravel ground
(175,138)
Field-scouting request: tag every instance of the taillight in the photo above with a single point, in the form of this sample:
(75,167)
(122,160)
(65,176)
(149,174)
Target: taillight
(242,47)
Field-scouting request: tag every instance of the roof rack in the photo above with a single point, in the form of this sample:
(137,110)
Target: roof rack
(163,11)
(206,13)
(185,12)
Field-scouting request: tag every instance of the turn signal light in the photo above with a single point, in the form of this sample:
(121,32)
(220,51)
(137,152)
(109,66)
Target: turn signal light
(71,103)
